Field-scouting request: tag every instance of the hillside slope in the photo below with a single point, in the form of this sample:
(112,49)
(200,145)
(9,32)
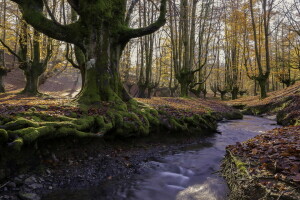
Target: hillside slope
(284,103)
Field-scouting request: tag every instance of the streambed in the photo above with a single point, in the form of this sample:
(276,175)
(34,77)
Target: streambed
(186,173)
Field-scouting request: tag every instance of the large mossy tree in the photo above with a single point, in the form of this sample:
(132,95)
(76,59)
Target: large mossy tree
(102,33)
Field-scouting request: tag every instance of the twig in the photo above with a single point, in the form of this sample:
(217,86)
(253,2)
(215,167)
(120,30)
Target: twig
(2,186)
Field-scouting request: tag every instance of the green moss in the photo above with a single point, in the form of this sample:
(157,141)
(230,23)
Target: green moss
(19,124)
(102,126)
(58,124)
(17,144)
(241,166)
(73,115)
(32,109)
(85,123)
(3,136)
(64,132)
(178,126)
(46,117)
(31,134)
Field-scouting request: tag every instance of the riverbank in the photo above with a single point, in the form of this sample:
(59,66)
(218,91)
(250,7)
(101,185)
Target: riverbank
(285,104)
(29,125)
(265,167)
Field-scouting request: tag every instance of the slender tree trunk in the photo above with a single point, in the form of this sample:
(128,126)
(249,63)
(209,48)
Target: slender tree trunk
(2,89)
(3,71)
(255,88)
(223,96)
(149,93)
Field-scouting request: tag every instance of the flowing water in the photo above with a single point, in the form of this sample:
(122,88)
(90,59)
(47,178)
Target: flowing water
(184,174)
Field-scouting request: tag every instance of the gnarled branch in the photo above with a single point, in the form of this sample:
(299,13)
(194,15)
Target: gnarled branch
(32,11)
(130,33)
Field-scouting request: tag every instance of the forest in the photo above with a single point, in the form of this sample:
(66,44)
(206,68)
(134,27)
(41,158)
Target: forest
(150,99)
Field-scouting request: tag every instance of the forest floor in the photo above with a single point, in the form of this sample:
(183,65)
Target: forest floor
(268,166)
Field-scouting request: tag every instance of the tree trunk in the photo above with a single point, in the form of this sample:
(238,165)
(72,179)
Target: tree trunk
(184,89)
(2,89)
(234,93)
(223,96)
(102,81)
(142,91)
(255,88)
(263,88)
(149,93)
(204,93)
(32,82)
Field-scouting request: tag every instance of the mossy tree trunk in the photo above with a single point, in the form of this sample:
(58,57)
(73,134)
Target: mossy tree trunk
(263,87)
(234,92)
(185,78)
(102,33)
(34,68)
(32,72)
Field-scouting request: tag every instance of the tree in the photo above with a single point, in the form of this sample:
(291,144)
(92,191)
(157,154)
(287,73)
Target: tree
(188,60)
(31,62)
(264,68)
(101,32)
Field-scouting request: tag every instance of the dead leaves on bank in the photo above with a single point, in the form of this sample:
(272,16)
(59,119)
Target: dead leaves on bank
(187,107)
(273,157)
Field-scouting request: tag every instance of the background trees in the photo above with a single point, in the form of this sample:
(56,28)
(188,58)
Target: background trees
(206,48)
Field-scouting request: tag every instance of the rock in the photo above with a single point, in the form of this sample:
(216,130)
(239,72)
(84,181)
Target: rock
(35,186)
(11,185)
(4,197)
(30,180)
(48,171)
(54,157)
(18,181)
(50,187)
(29,196)
(22,176)
(41,179)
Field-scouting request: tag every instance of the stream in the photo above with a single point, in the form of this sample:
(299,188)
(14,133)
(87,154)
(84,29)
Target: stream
(188,173)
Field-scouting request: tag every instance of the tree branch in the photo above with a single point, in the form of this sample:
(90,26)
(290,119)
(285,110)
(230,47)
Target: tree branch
(130,11)
(11,51)
(69,59)
(130,33)
(32,11)
(50,13)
